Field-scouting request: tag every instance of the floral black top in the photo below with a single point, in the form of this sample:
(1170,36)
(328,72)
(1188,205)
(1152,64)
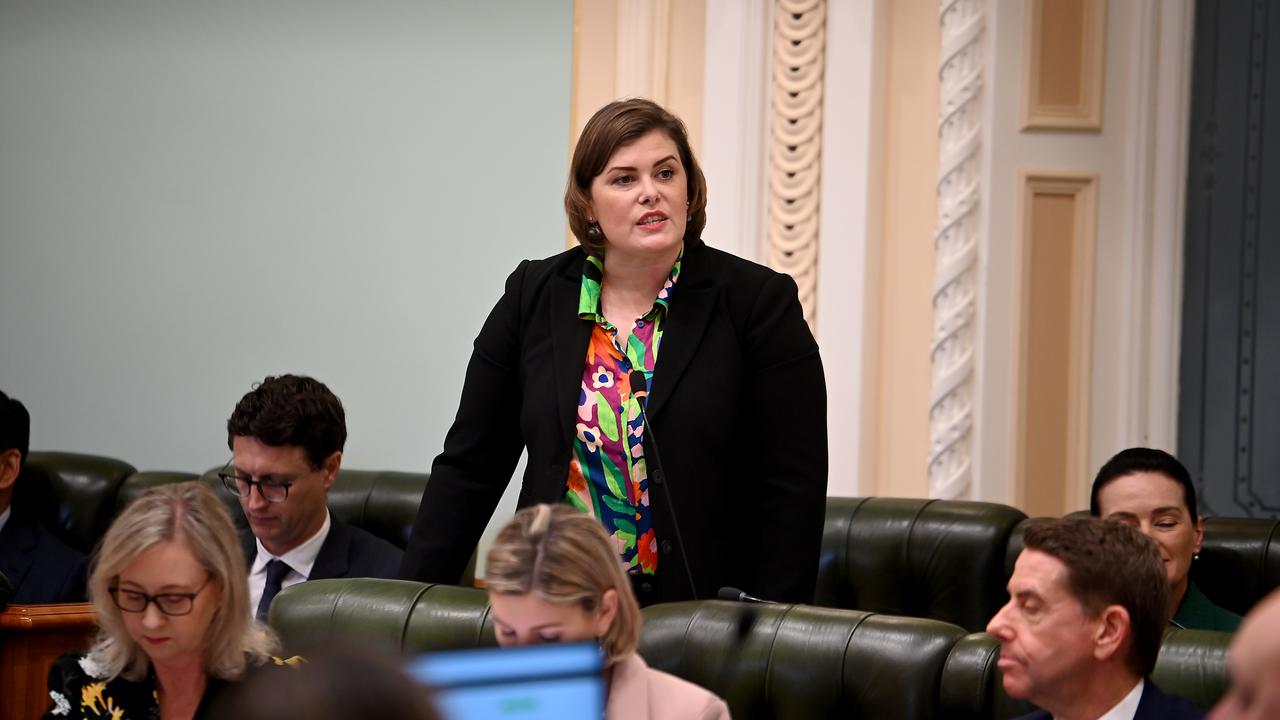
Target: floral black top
(80,690)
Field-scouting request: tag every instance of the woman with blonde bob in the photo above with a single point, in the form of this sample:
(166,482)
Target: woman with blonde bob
(169,587)
(553,575)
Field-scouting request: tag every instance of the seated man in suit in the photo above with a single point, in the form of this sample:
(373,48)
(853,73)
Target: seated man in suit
(287,436)
(39,566)
(1254,664)
(1088,604)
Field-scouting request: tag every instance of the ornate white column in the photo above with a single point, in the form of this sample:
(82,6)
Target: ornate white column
(961,65)
(795,157)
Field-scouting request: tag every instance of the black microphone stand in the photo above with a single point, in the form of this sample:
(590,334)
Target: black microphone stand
(651,443)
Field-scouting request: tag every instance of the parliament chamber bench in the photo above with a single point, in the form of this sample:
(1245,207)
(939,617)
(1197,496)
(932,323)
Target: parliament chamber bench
(77,496)
(951,559)
(942,559)
(767,661)
(932,559)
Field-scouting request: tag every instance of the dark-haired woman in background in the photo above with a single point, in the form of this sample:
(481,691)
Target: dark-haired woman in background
(1150,490)
(735,391)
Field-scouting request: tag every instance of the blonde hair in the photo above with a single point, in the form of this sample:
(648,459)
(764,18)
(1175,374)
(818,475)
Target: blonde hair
(188,512)
(563,556)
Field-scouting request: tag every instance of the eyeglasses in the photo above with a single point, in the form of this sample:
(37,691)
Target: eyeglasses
(172,604)
(272,489)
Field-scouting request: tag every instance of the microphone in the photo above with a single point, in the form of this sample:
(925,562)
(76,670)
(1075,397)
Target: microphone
(748,616)
(650,442)
(736,595)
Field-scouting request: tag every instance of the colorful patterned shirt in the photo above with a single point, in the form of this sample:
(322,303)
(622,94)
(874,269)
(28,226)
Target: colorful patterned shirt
(607,473)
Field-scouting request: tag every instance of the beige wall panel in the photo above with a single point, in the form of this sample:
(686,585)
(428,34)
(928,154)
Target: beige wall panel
(686,66)
(1062,65)
(675,51)
(902,330)
(1059,227)
(595,25)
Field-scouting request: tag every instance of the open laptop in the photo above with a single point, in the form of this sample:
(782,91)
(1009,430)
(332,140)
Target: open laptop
(561,681)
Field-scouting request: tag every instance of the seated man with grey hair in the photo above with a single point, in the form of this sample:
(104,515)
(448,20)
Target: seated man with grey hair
(1088,605)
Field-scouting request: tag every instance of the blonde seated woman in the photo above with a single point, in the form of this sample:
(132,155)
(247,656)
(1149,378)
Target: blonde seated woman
(553,575)
(169,587)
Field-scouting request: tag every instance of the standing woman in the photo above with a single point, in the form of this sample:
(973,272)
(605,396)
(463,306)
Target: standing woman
(671,390)
(170,591)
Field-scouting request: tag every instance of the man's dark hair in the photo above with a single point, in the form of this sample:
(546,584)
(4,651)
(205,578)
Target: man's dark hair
(15,427)
(1140,459)
(291,411)
(1109,563)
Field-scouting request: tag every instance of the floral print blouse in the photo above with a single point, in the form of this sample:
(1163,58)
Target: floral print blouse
(80,689)
(607,473)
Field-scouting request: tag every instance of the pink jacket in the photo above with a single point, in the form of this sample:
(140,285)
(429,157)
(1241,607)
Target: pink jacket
(638,692)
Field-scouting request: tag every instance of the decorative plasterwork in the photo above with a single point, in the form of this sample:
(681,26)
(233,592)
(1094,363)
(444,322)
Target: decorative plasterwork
(961,64)
(799,42)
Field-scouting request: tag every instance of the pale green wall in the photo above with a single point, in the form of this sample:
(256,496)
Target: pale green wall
(196,194)
(193,195)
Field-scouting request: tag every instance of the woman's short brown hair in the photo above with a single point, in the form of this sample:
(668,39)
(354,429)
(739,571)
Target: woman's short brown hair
(619,123)
(564,556)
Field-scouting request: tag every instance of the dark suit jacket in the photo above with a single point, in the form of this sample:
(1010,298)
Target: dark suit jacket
(346,552)
(1154,705)
(737,411)
(41,568)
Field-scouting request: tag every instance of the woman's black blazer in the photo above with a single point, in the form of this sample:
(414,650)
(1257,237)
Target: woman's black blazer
(737,411)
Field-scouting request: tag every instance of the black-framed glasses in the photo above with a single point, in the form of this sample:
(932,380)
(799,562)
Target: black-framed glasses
(273,489)
(172,604)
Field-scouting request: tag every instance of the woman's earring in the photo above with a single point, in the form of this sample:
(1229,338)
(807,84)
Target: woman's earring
(593,230)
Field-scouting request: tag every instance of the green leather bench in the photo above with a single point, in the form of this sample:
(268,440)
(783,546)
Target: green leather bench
(1239,561)
(78,495)
(800,661)
(73,494)
(939,559)
(774,661)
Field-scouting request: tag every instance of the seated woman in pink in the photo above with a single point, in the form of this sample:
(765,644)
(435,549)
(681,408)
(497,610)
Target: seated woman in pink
(553,575)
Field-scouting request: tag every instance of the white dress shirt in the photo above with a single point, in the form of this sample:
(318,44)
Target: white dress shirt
(300,561)
(1128,707)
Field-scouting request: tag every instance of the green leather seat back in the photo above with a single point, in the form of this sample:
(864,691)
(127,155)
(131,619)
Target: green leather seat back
(971,684)
(140,482)
(940,559)
(73,494)
(384,503)
(1239,561)
(797,661)
(1193,664)
(391,615)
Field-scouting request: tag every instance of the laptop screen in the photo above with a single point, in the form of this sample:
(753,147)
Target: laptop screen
(562,681)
